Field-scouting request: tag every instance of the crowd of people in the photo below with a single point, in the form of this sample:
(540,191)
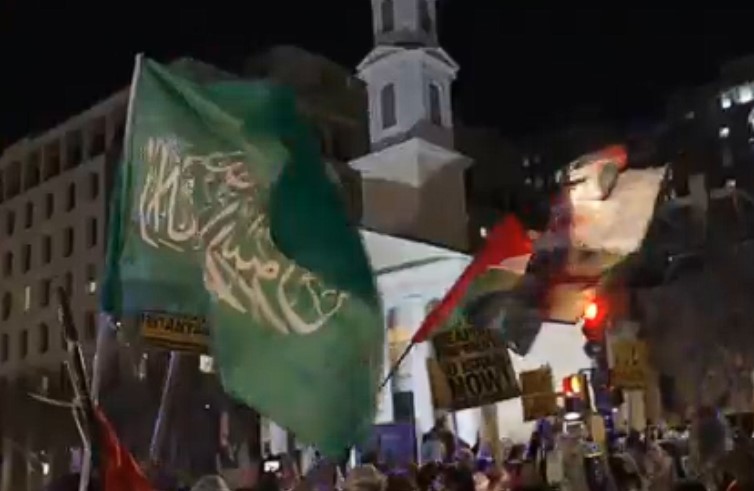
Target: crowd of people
(637,461)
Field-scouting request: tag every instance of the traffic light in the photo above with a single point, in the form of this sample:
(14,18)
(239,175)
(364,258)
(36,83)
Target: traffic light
(595,314)
(593,324)
(576,400)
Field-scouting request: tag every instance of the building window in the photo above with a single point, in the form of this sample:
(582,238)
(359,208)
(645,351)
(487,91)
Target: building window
(435,107)
(29,215)
(93,185)
(68,283)
(27,298)
(91,278)
(73,150)
(26,258)
(45,293)
(68,242)
(8,264)
(387,101)
(46,249)
(725,101)
(91,232)
(23,344)
(51,163)
(90,325)
(32,176)
(424,18)
(49,205)
(44,338)
(7,305)
(97,138)
(387,13)
(745,94)
(71,197)
(4,348)
(10,222)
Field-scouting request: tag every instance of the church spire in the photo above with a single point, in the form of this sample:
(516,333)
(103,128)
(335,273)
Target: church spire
(405,22)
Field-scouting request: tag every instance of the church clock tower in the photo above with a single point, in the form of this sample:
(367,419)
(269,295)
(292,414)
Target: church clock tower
(413,179)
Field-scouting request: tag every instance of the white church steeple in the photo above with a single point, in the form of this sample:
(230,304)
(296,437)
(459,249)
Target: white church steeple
(413,180)
(406,22)
(408,75)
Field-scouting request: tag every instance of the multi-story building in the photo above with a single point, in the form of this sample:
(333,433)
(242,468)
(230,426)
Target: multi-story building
(54,194)
(53,201)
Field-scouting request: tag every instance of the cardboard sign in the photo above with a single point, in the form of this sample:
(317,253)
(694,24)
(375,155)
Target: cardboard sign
(394,444)
(537,394)
(630,364)
(475,365)
(175,332)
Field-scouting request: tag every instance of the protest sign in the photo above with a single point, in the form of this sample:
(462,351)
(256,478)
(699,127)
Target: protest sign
(476,367)
(175,332)
(630,364)
(537,394)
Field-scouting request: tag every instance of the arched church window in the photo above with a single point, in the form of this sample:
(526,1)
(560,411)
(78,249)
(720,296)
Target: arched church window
(387,103)
(435,109)
(424,17)
(388,15)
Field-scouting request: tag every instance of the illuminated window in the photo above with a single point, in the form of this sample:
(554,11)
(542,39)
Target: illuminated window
(724,132)
(91,278)
(483,232)
(27,298)
(725,101)
(745,94)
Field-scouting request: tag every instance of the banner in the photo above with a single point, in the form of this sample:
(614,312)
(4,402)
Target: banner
(476,367)
(537,394)
(394,444)
(630,364)
(175,332)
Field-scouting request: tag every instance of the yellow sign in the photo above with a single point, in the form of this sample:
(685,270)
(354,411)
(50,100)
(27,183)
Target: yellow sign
(537,394)
(630,364)
(175,332)
(475,366)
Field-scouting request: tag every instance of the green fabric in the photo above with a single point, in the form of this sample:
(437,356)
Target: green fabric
(223,210)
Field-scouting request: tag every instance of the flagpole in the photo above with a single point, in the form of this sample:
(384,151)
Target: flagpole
(104,321)
(394,368)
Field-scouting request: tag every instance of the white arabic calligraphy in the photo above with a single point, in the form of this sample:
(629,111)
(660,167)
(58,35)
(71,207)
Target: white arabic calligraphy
(211,204)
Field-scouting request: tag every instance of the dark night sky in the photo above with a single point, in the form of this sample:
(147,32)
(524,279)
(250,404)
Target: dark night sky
(521,69)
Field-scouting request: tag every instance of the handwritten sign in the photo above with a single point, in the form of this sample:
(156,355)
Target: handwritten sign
(476,367)
(175,332)
(630,364)
(537,394)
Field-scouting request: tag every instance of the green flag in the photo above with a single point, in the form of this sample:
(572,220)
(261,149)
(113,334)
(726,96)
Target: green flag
(223,210)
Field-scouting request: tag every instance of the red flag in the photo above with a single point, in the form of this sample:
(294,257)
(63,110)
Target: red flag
(120,472)
(506,240)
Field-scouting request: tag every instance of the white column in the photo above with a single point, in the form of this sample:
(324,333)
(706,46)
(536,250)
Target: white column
(385,396)
(278,439)
(408,319)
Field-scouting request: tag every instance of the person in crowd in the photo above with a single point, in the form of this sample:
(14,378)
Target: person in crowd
(365,478)
(210,483)
(457,478)
(402,481)
(70,482)
(427,476)
(689,486)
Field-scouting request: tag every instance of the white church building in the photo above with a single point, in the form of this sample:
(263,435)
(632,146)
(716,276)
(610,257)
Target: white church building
(415,218)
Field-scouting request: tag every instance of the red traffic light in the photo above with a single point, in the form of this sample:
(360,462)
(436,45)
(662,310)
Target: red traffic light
(573,385)
(591,311)
(595,313)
